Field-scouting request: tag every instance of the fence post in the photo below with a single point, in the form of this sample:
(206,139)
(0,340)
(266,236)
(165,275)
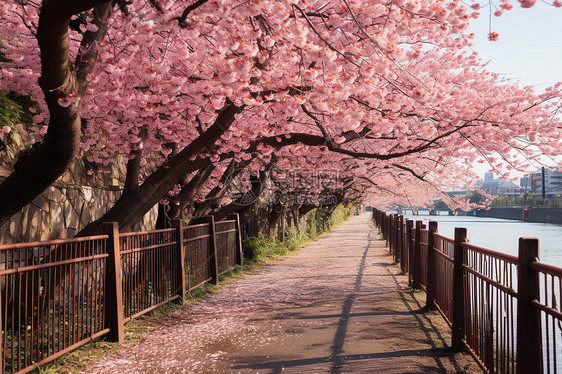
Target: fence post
(399,242)
(529,337)
(391,234)
(113,284)
(386,227)
(214,260)
(396,237)
(409,249)
(180,268)
(416,278)
(239,252)
(458,290)
(382,225)
(431,278)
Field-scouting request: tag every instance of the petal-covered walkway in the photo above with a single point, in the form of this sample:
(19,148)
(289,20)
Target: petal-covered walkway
(338,305)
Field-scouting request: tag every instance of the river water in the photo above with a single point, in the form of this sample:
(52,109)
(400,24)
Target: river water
(500,234)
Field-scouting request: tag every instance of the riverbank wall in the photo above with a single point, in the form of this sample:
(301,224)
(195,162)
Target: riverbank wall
(538,215)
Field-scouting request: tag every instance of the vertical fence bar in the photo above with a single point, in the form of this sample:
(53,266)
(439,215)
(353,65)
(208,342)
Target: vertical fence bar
(214,260)
(180,266)
(416,273)
(431,286)
(239,253)
(113,285)
(410,248)
(529,337)
(458,291)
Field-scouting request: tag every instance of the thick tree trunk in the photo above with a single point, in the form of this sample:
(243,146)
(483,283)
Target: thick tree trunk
(42,165)
(130,208)
(133,172)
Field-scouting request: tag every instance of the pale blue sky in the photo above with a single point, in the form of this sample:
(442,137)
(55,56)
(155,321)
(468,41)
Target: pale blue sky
(529,48)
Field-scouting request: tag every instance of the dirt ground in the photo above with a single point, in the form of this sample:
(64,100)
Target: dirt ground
(338,305)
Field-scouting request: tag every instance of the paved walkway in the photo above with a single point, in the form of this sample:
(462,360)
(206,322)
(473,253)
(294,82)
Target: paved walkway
(338,305)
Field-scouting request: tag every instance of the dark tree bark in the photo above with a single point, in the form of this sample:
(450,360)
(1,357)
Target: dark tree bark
(133,172)
(41,166)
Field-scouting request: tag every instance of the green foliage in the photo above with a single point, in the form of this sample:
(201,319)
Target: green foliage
(341,214)
(3,57)
(10,112)
(261,249)
(476,197)
(527,200)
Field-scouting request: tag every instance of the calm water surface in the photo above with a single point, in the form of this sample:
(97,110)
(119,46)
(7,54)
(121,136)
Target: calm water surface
(502,235)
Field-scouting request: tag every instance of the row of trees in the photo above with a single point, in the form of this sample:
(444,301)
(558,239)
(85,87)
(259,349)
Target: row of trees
(194,97)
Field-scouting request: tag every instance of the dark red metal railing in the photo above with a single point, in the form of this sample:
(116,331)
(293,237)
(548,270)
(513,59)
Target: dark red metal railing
(404,248)
(504,310)
(52,299)
(548,305)
(199,252)
(424,237)
(225,232)
(490,303)
(147,265)
(444,251)
(58,295)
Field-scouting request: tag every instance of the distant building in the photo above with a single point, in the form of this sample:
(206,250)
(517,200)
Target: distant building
(495,186)
(488,177)
(552,182)
(525,183)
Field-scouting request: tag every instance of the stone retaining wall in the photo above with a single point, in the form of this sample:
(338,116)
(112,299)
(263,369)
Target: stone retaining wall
(61,212)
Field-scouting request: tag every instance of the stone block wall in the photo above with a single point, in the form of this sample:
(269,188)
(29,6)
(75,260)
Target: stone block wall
(61,212)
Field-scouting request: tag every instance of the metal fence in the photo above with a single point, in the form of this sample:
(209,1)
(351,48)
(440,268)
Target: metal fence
(226,244)
(148,261)
(443,250)
(198,242)
(58,295)
(504,310)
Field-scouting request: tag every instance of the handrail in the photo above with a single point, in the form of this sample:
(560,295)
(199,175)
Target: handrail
(488,252)
(46,243)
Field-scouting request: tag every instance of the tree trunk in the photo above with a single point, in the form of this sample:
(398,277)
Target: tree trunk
(43,164)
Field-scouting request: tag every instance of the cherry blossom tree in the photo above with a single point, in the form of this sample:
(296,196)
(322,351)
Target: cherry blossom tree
(183,91)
